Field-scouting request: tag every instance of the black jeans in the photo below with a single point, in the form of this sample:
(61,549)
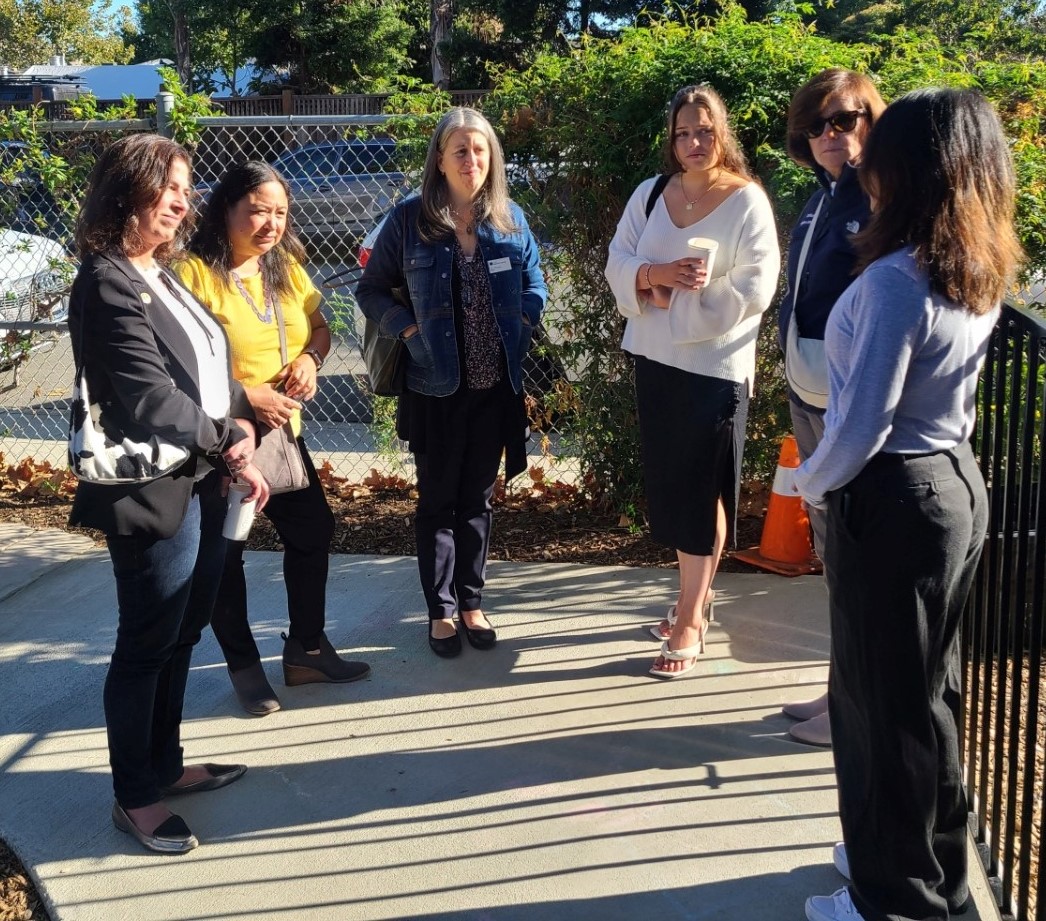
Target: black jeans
(454,516)
(903,542)
(305,523)
(165,590)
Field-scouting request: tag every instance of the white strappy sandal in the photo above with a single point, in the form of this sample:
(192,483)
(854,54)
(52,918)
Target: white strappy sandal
(709,613)
(681,655)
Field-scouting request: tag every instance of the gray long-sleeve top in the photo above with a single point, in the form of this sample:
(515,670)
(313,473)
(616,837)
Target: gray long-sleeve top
(903,364)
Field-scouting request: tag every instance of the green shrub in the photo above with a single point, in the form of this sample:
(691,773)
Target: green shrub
(594,121)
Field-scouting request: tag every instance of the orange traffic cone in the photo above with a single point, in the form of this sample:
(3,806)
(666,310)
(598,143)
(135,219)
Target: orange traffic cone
(785,547)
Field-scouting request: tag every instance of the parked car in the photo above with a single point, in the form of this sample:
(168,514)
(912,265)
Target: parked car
(35,278)
(26,204)
(342,187)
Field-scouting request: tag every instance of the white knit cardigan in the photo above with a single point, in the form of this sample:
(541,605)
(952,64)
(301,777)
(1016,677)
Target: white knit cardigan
(713,330)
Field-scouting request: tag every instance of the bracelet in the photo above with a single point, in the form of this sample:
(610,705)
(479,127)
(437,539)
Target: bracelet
(648,282)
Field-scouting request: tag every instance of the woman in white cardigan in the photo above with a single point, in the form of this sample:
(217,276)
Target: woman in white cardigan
(693,321)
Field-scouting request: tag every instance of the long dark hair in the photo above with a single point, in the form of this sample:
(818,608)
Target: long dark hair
(211,240)
(731,157)
(938,170)
(128,177)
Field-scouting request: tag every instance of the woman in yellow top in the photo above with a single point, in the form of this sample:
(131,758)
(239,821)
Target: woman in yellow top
(247,261)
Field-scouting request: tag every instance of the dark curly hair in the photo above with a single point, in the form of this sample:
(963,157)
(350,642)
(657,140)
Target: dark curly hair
(211,240)
(129,177)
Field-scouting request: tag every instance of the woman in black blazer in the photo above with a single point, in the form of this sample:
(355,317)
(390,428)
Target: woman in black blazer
(157,364)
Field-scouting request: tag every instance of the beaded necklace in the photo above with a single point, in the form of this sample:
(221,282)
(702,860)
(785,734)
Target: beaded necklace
(264,317)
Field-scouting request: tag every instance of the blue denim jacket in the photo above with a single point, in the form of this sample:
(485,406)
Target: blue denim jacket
(401,259)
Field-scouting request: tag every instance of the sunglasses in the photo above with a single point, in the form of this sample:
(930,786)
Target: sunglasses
(841,123)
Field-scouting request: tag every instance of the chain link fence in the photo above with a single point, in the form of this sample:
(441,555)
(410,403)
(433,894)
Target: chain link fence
(345,172)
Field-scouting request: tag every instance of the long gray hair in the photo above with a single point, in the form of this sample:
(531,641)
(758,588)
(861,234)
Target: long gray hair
(492,203)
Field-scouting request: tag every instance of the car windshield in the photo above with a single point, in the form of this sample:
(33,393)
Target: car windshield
(370,158)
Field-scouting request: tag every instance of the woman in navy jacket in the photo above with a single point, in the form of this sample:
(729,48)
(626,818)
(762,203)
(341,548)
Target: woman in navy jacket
(828,121)
(157,364)
(455,275)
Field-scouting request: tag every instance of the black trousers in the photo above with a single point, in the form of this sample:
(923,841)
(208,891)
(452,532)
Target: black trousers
(454,517)
(903,542)
(305,523)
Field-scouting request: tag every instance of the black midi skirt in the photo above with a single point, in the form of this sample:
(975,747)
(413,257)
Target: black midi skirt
(692,433)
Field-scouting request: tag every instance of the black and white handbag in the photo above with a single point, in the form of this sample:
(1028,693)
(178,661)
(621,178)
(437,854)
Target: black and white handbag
(97,457)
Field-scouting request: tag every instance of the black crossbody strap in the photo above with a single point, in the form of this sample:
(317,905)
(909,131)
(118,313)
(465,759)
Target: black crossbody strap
(655,193)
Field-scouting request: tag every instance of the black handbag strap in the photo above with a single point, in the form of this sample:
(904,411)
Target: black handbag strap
(655,193)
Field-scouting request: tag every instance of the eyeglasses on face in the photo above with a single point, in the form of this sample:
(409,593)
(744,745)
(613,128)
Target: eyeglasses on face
(840,122)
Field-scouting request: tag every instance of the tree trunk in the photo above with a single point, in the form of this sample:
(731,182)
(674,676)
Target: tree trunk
(442,16)
(182,62)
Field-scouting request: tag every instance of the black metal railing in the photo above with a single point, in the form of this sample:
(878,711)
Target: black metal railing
(1004,714)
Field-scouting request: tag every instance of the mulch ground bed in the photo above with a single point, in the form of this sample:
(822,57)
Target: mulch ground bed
(543,523)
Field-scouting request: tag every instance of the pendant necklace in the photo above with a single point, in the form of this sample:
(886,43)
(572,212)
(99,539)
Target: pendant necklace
(470,228)
(264,317)
(691,204)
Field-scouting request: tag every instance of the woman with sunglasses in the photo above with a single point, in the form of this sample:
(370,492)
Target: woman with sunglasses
(828,122)
(905,502)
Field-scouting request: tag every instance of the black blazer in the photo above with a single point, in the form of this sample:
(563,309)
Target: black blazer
(143,372)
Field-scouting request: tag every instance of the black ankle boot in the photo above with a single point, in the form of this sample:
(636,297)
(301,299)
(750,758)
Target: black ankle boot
(301,667)
(253,690)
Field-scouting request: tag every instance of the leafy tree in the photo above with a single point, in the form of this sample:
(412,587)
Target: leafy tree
(203,38)
(333,45)
(994,26)
(33,30)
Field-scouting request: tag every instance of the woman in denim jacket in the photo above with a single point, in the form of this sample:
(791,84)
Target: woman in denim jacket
(455,274)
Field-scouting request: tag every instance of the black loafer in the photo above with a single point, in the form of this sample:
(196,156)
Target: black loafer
(479,637)
(446,647)
(221,775)
(171,836)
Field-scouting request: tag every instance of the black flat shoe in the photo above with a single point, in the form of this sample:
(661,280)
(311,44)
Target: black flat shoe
(221,775)
(172,836)
(446,647)
(479,637)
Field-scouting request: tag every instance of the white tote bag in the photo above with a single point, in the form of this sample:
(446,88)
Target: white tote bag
(806,369)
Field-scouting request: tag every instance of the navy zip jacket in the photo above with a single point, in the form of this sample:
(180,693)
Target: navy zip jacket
(830,261)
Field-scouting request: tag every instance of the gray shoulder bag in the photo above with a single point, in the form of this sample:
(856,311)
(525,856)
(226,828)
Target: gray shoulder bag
(277,455)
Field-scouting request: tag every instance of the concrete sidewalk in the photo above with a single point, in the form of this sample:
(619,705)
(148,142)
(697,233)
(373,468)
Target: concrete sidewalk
(551,778)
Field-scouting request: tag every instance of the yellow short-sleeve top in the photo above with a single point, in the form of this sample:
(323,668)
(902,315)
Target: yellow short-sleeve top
(255,345)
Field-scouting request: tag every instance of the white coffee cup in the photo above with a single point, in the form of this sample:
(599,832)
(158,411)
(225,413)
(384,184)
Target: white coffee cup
(704,248)
(239,515)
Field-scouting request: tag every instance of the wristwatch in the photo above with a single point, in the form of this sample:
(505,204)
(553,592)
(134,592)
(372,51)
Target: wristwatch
(315,355)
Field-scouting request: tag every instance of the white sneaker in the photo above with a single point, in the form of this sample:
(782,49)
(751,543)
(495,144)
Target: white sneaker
(835,907)
(841,861)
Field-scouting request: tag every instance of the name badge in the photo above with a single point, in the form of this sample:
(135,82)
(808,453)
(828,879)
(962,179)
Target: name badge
(504,264)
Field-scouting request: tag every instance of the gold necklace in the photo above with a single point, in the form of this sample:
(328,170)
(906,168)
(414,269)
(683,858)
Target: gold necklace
(691,204)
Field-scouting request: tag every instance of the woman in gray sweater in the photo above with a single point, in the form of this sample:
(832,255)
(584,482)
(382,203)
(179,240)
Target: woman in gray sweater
(906,505)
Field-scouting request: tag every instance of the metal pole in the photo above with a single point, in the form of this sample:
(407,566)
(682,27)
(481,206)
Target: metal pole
(164,108)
